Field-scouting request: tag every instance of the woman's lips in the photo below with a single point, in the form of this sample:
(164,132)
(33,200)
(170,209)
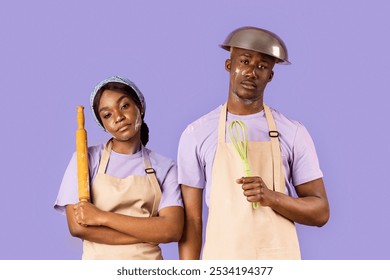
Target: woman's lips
(123,128)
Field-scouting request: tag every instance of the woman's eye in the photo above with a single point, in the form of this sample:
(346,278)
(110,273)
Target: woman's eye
(124,106)
(106,116)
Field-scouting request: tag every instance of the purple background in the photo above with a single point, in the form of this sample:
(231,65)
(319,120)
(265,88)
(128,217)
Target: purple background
(52,53)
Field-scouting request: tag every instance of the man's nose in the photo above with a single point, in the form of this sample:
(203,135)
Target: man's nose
(250,71)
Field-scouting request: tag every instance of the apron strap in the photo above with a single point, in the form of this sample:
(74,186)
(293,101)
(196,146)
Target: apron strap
(275,149)
(105,157)
(222,124)
(151,173)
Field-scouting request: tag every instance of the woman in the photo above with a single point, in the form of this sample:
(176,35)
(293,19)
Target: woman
(136,201)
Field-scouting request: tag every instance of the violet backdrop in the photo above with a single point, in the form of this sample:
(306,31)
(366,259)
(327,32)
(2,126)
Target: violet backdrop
(52,53)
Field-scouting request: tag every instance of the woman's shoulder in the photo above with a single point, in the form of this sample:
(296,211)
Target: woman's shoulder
(160,160)
(96,148)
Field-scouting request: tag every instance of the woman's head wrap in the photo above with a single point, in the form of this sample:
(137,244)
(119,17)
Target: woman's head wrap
(117,79)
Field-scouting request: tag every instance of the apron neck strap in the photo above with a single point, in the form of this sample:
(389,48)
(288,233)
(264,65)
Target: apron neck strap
(105,157)
(151,173)
(222,124)
(275,147)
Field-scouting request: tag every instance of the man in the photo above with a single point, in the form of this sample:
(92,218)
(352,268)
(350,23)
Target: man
(250,217)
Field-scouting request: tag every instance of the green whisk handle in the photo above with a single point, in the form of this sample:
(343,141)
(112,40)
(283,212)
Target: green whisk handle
(248,173)
(247,169)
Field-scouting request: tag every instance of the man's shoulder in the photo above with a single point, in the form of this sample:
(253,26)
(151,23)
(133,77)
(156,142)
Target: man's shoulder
(205,123)
(284,121)
(289,129)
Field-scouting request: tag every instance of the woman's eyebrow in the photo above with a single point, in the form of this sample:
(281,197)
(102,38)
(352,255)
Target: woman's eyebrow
(117,102)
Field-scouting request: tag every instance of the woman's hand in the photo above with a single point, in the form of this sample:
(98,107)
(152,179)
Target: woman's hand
(87,214)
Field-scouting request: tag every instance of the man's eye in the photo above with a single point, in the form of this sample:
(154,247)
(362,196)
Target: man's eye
(245,61)
(262,67)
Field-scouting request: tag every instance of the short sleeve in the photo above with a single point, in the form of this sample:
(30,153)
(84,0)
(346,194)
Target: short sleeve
(191,171)
(171,195)
(305,165)
(68,193)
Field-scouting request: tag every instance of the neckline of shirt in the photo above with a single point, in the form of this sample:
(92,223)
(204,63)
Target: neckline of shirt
(137,154)
(246,117)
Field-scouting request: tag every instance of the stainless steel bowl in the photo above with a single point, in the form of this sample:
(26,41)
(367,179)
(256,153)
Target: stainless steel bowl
(257,39)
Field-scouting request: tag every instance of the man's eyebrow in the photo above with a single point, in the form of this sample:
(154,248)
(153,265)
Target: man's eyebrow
(266,58)
(246,54)
(117,102)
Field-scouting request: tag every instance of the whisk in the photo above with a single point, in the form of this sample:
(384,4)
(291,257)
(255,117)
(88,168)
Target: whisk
(238,135)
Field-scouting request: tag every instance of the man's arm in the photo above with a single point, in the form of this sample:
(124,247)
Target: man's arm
(310,208)
(190,244)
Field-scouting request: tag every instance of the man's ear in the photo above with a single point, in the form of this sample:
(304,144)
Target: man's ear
(271,76)
(228,64)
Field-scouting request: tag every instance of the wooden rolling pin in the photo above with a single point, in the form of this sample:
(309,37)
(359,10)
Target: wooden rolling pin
(82,157)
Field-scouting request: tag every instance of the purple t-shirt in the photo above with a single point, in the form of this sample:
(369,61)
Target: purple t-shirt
(198,145)
(122,166)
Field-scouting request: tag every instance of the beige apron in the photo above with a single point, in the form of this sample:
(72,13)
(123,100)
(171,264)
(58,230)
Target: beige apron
(137,196)
(234,229)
